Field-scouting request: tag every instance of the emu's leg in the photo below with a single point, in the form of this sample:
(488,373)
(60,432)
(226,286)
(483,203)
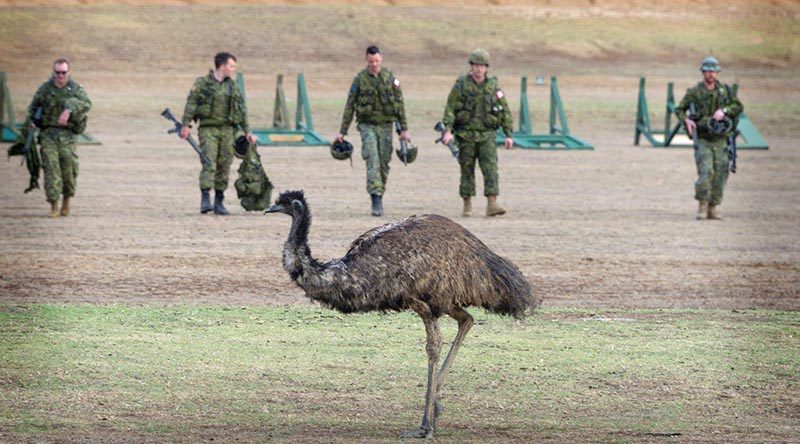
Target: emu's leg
(433,346)
(465,322)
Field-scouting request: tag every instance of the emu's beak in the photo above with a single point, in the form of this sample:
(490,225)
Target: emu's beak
(276,209)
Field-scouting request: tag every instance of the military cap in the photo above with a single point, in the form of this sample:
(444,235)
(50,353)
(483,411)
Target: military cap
(710,64)
(479,57)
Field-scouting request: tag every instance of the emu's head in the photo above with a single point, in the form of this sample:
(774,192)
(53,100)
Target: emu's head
(292,203)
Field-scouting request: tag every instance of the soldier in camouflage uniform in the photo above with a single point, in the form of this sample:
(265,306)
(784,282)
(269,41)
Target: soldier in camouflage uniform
(377,100)
(217,104)
(64,106)
(712,100)
(476,108)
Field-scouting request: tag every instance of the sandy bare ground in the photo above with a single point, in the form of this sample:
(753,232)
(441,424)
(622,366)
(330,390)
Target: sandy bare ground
(609,227)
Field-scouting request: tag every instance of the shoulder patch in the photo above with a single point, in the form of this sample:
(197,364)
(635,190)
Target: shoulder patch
(353,88)
(396,82)
(500,94)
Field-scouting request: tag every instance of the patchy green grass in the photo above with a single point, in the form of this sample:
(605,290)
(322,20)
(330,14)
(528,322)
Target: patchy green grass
(311,375)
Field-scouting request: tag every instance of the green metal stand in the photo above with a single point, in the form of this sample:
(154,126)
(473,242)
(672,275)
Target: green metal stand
(280,135)
(7,124)
(559,138)
(10,129)
(749,137)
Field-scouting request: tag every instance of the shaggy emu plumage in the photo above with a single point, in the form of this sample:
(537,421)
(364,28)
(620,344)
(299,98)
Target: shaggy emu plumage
(426,263)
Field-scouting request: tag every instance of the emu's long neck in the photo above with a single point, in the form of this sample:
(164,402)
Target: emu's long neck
(323,282)
(296,254)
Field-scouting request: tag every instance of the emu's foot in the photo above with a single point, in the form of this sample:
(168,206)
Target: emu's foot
(419,433)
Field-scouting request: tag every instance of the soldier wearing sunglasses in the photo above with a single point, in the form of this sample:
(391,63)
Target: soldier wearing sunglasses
(64,105)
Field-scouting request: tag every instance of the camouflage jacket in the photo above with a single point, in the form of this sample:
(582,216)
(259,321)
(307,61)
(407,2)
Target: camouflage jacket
(214,103)
(706,103)
(375,99)
(472,108)
(55,100)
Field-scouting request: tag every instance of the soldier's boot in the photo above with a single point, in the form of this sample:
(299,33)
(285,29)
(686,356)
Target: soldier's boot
(205,202)
(467,211)
(65,207)
(713,213)
(219,208)
(492,209)
(377,205)
(702,211)
(54,209)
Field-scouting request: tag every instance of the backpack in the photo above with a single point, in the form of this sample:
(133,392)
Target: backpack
(253,187)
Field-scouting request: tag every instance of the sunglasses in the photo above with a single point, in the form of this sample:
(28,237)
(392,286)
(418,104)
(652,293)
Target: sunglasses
(61,73)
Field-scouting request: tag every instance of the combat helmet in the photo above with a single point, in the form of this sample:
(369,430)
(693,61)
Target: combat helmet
(240,146)
(411,154)
(720,127)
(479,56)
(341,150)
(710,63)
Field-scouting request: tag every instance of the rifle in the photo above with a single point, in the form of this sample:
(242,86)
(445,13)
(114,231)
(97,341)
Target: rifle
(439,127)
(36,119)
(732,136)
(732,145)
(403,144)
(177,130)
(693,116)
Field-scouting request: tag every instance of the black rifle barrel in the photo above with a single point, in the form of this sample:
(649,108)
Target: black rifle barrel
(693,116)
(439,127)
(36,120)
(732,146)
(178,126)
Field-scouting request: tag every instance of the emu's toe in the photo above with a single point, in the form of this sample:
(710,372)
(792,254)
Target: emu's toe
(419,433)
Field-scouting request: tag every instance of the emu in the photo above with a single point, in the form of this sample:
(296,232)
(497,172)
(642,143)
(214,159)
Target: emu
(427,263)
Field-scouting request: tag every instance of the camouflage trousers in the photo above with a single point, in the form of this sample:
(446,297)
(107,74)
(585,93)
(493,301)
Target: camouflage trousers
(217,143)
(376,150)
(484,150)
(711,158)
(60,163)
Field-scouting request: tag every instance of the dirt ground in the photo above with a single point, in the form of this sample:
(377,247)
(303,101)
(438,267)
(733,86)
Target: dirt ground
(611,227)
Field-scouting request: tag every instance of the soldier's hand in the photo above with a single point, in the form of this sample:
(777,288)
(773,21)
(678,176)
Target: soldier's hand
(185,131)
(508,142)
(719,115)
(447,137)
(252,138)
(690,125)
(340,137)
(405,136)
(63,119)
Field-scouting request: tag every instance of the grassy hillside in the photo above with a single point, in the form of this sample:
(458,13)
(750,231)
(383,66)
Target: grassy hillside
(567,39)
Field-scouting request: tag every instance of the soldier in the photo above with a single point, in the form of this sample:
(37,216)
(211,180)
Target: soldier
(217,104)
(476,108)
(713,101)
(377,100)
(64,106)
